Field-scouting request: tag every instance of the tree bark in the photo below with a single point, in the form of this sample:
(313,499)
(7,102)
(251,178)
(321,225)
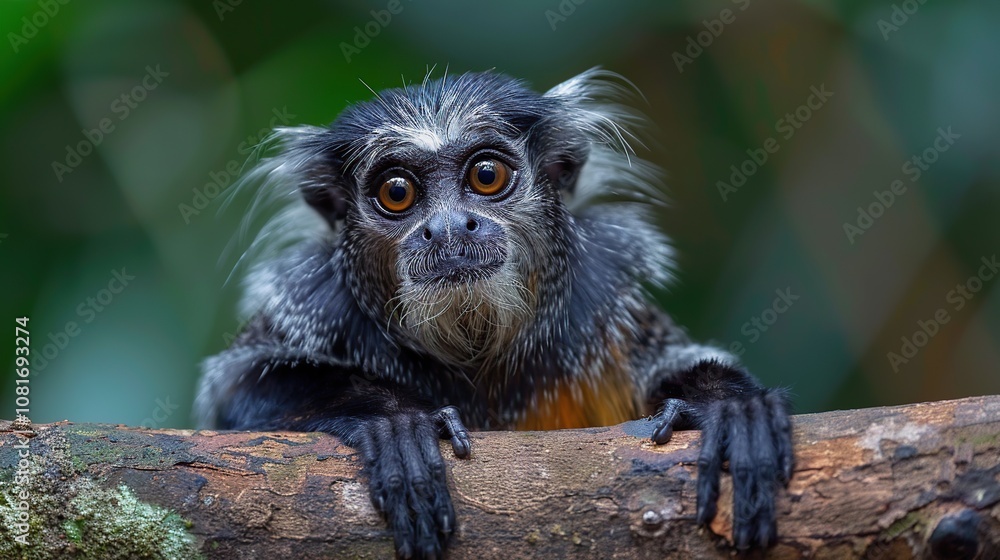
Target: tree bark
(916,481)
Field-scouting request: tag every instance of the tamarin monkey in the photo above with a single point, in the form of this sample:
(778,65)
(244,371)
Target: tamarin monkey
(464,269)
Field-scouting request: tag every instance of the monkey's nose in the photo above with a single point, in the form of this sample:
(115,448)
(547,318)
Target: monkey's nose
(454,246)
(448,226)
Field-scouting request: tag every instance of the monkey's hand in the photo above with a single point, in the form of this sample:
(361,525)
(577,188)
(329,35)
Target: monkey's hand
(745,424)
(406,475)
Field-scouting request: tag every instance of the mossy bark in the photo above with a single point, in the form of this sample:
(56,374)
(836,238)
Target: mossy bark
(917,481)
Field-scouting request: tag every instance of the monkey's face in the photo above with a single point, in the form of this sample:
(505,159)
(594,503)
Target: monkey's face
(457,235)
(450,197)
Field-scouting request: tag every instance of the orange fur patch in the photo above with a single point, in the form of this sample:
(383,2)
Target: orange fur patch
(576,403)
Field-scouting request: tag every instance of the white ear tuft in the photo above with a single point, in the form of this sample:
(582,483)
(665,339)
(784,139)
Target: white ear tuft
(594,103)
(273,186)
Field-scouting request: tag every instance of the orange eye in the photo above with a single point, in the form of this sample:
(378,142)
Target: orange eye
(397,194)
(489,176)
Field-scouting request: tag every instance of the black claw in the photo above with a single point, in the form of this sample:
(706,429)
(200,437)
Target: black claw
(461,446)
(767,532)
(668,417)
(662,433)
(451,427)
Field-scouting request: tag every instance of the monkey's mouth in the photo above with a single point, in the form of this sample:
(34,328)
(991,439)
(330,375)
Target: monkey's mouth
(461,266)
(459,270)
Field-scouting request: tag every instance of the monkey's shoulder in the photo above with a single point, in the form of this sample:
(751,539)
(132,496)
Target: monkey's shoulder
(303,301)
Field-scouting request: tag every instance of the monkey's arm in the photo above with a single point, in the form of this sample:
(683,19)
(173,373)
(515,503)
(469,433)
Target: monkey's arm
(741,421)
(395,434)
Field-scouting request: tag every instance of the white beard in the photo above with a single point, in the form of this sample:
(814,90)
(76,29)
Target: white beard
(465,323)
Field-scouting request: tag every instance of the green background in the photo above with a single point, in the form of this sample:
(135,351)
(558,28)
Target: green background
(231,68)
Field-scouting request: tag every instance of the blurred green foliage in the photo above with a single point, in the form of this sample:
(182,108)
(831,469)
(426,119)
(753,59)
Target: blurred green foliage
(171,96)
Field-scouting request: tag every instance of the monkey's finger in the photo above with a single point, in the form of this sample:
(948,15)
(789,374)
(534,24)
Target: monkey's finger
(781,432)
(441,505)
(664,429)
(417,484)
(740,454)
(451,427)
(415,474)
(364,442)
(388,480)
(764,461)
(710,461)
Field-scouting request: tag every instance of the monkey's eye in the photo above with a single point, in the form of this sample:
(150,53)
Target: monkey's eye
(489,176)
(397,194)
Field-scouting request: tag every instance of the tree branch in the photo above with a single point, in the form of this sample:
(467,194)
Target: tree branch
(898,482)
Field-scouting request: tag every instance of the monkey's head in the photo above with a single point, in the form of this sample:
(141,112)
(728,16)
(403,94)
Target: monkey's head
(449,197)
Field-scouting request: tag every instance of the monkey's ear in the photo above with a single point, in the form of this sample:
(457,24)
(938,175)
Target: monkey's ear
(587,115)
(329,201)
(563,169)
(309,153)
(323,187)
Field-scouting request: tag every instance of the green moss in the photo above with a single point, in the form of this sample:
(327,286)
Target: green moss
(74,530)
(985,439)
(70,515)
(117,520)
(902,525)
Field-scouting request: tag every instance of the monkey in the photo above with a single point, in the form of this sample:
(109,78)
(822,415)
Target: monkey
(468,254)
